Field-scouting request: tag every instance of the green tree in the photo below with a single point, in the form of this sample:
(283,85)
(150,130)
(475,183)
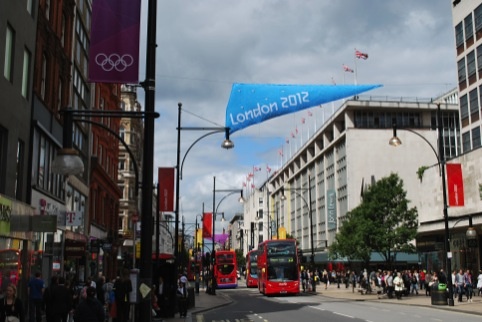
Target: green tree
(240,258)
(382,223)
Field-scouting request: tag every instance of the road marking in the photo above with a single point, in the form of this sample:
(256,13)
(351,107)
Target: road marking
(345,315)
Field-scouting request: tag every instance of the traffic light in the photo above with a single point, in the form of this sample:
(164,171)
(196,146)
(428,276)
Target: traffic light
(213,258)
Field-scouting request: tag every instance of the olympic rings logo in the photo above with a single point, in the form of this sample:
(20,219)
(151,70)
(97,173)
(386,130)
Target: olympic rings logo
(114,61)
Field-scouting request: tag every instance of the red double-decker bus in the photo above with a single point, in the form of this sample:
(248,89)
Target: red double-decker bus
(225,269)
(194,266)
(252,269)
(278,269)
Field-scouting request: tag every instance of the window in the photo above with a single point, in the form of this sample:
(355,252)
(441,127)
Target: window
(3,158)
(461,68)
(47,9)
(471,63)
(479,57)
(30,7)
(478,17)
(466,141)
(26,73)
(43,80)
(44,151)
(464,108)
(19,169)
(469,28)
(476,137)
(459,35)
(474,101)
(260,214)
(9,53)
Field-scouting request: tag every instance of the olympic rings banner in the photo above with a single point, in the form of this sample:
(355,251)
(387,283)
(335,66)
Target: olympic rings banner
(251,104)
(114,41)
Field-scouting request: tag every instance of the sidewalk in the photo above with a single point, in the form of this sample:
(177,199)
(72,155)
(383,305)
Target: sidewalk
(332,291)
(205,302)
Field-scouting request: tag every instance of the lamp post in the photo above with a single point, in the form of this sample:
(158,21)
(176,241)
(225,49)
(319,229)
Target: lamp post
(215,208)
(395,141)
(227,144)
(295,190)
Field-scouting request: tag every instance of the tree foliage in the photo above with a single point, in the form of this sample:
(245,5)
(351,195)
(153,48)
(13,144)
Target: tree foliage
(382,223)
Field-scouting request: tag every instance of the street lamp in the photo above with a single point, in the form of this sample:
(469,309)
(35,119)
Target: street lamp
(295,190)
(215,208)
(227,144)
(395,141)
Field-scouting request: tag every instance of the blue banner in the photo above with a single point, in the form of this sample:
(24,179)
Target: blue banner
(251,104)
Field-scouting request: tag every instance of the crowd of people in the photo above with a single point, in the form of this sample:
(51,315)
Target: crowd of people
(63,300)
(396,284)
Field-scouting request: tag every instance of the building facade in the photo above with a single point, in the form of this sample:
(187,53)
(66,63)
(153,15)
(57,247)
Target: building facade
(328,173)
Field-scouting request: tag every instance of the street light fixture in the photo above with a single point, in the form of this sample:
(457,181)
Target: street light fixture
(295,190)
(395,141)
(227,144)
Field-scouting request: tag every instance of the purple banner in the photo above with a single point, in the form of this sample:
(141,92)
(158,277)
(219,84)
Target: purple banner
(114,41)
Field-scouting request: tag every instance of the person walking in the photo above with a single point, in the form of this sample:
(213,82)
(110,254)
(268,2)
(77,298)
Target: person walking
(459,284)
(47,299)
(399,285)
(479,283)
(468,285)
(89,310)
(11,306)
(61,300)
(36,288)
(122,290)
(182,299)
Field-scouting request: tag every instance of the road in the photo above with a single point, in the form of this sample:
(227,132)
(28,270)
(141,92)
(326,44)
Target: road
(250,305)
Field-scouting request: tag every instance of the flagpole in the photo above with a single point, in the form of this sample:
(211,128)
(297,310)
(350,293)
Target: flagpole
(356,69)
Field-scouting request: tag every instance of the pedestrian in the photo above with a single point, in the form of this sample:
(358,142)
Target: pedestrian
(161,294)
(89,310)
(100,288)
(428,280)
(122,290)
(414,282)
(47,299)
(182,299)
(460,284)
(11,307)
(389,283)
(36,288)
(479,283)
(61,300)
(399,285)
(468,285)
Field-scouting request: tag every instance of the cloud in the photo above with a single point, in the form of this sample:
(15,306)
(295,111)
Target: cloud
(205,46)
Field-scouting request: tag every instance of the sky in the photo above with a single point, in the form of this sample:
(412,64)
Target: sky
(203,47)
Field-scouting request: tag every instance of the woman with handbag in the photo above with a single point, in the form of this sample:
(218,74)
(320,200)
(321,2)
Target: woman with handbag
(11,307)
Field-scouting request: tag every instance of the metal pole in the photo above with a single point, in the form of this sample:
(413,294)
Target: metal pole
(145,305)
(448,254)
(157,233)
(312,260)
(270,231)
(178,171)
(213,278)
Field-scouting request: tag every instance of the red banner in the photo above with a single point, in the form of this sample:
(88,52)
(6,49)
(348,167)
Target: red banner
(455,184)
(114,41)
(166,189)
(207,225)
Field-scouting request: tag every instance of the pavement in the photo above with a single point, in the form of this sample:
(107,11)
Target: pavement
(205,302)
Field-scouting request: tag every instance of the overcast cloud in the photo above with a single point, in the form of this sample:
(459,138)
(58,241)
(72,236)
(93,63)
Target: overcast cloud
(205,46)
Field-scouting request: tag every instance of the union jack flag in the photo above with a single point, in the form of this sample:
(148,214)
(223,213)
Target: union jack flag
(347,69)
(360,55)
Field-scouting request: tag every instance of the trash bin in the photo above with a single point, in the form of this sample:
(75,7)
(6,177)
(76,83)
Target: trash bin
(438,294)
